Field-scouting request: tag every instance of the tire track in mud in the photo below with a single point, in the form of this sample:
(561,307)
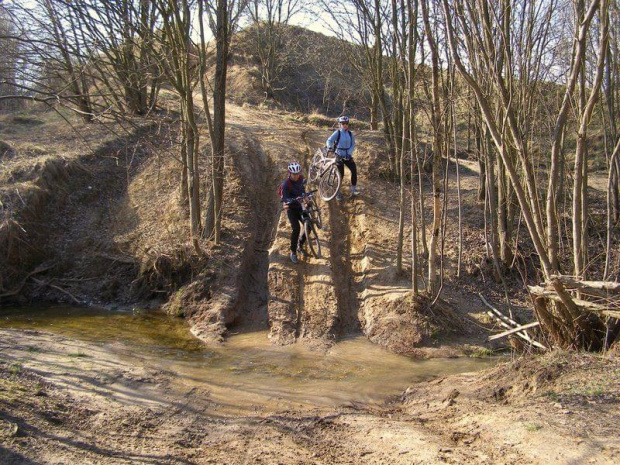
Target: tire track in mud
(358,257)
(303,302)
(342,264)
(340,246)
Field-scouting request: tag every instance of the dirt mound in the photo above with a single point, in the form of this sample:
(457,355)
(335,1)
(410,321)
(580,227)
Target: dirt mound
(556,378)
(560,407)
(566,377)
(307,73)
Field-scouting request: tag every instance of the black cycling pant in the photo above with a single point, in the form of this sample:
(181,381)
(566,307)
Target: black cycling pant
(351,165)
(294,217)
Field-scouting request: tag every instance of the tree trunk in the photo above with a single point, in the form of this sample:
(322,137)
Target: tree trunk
(438,150)
(482,177)
(402,204)
(214,214)
(503,220)
(374,112)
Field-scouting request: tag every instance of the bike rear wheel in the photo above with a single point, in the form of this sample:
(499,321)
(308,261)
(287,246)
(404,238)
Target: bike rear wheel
(330,183)
(312,238)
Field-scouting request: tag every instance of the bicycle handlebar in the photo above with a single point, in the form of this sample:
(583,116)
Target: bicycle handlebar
(301,197)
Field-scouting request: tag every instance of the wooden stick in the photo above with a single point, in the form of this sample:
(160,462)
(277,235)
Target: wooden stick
(43,283)
(514,330)
(504,321)
(39,269)
(571,282)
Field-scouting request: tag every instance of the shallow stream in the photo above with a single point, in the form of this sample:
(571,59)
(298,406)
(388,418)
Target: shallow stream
(247,371)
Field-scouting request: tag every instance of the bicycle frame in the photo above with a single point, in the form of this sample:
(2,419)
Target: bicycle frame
(325,163)
(308,207)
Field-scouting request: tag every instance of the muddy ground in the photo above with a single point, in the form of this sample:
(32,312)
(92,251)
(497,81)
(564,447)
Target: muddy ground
(113,239)
(57,407)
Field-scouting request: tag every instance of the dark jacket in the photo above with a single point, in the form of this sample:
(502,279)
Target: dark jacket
(293,189)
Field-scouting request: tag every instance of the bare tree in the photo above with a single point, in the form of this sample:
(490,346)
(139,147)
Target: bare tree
(118,37)
(439,145)
(223,17)
(9,55)
(179,64)
(368,23)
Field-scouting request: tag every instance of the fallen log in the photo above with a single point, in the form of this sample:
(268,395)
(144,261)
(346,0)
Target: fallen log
(572,283)
(606,310)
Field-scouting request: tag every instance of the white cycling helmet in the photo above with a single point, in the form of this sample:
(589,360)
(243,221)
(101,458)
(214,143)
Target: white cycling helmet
(294,168)
(343,119)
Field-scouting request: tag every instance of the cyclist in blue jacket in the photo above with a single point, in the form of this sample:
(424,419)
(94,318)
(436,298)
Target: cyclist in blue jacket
(342,143)
(293,187)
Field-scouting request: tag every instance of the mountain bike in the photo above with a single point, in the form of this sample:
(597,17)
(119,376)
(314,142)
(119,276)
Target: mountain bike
(311,219)
(324,169)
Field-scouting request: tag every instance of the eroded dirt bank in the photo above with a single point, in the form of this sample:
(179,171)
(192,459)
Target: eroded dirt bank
(59,407)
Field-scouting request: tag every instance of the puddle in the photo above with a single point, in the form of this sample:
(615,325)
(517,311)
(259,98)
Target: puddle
(247,371)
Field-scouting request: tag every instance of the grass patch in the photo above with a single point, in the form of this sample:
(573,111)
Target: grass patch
(533,427)
(78,354)
(552,396)
(15,368)
(481,352)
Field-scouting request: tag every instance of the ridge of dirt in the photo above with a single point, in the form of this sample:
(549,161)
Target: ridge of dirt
(560,407)
(239,297)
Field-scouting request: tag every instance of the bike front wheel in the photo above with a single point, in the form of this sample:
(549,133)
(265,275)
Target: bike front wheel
(312,238)
(315,167)
(315,214)
(330,183)
(318,221)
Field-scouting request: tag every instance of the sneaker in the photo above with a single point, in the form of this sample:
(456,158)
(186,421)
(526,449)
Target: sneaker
(302,250)
(338,196)
(354,191)
(294,258)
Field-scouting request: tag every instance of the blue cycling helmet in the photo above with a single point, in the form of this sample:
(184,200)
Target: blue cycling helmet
(343,119)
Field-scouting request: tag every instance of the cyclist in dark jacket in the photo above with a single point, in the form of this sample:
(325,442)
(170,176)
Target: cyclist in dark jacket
(342,143)
(293,187)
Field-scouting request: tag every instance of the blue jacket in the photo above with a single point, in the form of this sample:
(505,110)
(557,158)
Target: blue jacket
(346,144)
(293,189)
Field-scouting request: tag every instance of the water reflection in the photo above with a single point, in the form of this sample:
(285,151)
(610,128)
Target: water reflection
(247,370)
